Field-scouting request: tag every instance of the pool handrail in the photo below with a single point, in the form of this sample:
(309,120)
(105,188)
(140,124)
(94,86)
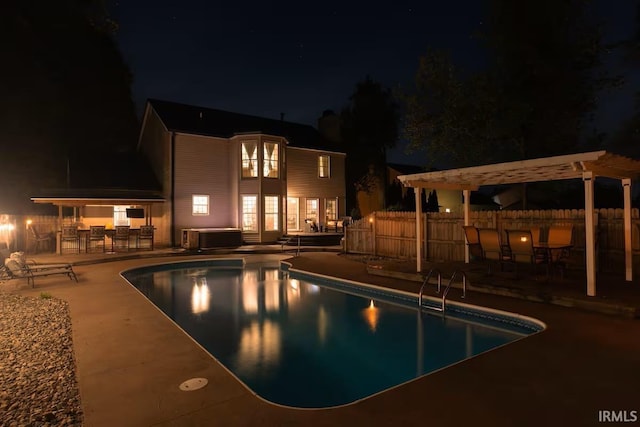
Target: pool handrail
(446,290)
(426,281)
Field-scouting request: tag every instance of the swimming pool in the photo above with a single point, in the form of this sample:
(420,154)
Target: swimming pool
(308,341)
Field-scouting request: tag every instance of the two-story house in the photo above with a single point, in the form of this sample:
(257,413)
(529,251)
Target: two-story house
(224,170)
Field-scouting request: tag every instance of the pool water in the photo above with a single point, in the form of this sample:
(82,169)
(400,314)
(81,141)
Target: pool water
(296,343)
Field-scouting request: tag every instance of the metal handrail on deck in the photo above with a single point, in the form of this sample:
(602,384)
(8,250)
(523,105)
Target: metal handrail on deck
(426,280)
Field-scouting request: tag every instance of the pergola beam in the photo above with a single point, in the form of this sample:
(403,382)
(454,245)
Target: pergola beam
(438,185)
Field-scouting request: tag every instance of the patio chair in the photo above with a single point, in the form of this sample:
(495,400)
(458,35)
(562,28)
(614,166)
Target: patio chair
(473,242)
(26,272)
(145,237)
(492,249)
(521,245)
(535,234)
(96,237)
(40,240)
(71,237)
(560,235)
(121,237)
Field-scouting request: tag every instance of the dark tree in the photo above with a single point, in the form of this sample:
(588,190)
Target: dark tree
(449,117)
(369,128)
(626,140)
(66,90)
(432,202)
(546,64)
(533,99)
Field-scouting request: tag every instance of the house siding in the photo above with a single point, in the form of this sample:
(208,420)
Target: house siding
(187,164)
(201,166)
(155,144)
(304,183)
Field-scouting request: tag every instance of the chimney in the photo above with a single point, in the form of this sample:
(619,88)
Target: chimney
(329,126)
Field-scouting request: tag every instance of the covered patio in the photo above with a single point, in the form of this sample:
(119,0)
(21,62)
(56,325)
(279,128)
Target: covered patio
(83,201)
(585,166)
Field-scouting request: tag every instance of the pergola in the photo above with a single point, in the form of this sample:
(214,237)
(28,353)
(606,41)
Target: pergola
(585,166)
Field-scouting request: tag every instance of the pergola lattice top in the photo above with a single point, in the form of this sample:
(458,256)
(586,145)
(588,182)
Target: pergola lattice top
(571,166)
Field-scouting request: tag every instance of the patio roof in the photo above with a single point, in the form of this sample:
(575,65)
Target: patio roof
(571,166)
(586,166)
(106,197)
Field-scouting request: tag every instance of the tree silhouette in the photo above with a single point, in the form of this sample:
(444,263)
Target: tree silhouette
(533,99)
(369,126)
(66,92)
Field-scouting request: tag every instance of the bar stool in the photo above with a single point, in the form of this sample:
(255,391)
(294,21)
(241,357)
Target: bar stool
(121,236)
(70,236)
(97,236)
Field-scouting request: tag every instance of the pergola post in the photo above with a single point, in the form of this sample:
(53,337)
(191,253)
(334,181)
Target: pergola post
(418,194)
(628,252)
(587,177)
(466,196)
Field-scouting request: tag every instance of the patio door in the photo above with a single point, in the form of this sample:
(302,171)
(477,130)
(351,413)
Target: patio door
(293,213)
(311,211)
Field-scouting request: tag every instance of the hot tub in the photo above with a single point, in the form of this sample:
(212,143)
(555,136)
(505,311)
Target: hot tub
(209,238)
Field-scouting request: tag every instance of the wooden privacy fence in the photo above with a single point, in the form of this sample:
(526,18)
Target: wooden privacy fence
(393,234)
(17,238)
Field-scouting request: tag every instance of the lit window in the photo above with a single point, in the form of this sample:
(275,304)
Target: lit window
(249,160)
(324,169)
(312,210)
(331,209)
(120,215)
(292,213)
(200,204)
(249,213)
(271,213)
(270,160)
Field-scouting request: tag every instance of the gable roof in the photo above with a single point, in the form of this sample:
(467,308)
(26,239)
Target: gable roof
(225,124)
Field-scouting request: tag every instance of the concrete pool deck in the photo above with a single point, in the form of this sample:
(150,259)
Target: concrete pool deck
(131,359)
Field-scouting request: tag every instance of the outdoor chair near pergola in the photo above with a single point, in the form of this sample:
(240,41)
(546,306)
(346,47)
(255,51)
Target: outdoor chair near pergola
(586,166)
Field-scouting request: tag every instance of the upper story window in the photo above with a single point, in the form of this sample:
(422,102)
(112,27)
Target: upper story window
(324,167)
(249,159)
(200,204)
(270,160)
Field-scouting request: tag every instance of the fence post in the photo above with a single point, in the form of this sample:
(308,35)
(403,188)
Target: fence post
(372,221)
(426,235)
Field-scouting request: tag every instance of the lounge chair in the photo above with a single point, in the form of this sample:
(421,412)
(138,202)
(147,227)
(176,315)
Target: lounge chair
(31,263)
(17,271)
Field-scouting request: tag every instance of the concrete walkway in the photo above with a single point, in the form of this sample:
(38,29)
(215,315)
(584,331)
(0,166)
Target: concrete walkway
(131,359)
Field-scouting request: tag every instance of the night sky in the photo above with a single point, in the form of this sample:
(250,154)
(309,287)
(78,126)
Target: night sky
(263,59)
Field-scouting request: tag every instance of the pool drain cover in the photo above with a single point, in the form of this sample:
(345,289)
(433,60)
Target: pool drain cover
(193,384)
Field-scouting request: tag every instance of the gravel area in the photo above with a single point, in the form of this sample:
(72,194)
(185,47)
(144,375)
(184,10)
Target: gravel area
(38,384)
